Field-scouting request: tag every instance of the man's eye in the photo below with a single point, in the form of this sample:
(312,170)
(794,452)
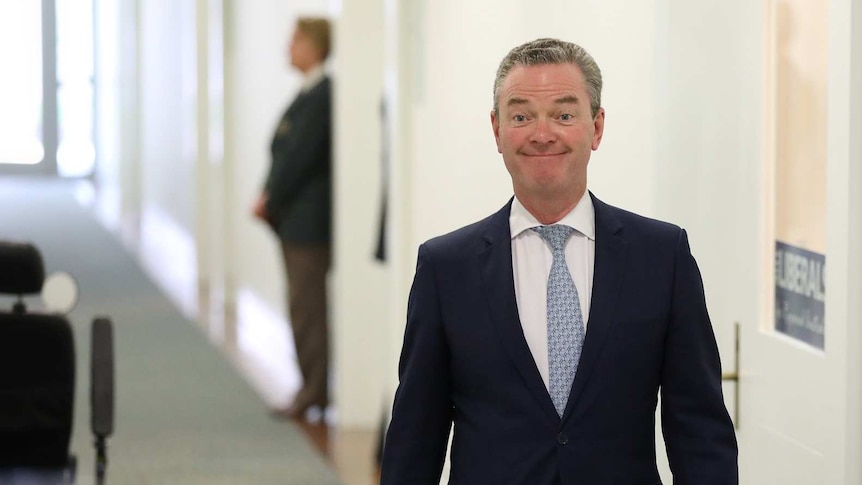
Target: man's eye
(519,118)
(567,117)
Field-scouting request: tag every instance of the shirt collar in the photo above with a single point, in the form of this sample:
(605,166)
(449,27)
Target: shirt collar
(312,77)
(582,218)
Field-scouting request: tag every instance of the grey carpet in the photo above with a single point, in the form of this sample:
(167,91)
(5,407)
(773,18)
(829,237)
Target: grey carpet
(183,414)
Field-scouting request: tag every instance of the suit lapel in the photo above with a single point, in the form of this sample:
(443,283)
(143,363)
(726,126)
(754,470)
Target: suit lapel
(607,278)
(496,262)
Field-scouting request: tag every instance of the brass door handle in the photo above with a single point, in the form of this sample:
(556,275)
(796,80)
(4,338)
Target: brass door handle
(734,376)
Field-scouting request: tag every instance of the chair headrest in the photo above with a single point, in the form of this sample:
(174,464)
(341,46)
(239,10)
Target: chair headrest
(22,269)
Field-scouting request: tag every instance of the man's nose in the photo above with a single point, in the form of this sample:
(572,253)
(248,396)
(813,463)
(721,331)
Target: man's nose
(543,132)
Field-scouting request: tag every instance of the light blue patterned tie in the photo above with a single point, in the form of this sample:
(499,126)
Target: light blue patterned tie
(565,321)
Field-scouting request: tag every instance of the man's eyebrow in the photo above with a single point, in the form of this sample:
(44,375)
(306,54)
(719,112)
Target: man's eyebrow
(570,99)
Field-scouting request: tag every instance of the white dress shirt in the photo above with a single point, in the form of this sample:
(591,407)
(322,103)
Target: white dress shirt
(312,77)
(531,262)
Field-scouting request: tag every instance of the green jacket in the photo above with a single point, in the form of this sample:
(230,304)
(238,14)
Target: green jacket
(299,184)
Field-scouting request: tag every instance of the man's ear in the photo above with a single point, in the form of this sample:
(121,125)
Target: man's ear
(599,128)
(495,125)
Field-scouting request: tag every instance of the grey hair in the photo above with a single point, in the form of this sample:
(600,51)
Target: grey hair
(553,51)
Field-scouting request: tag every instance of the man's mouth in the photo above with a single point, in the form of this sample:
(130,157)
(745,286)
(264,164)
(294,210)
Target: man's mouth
(543,155)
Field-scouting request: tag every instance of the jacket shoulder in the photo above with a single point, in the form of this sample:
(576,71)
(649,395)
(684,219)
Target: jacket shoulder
(636,227)
(467,240)
(460,238)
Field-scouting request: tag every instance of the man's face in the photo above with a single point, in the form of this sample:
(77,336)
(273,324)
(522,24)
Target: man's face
(545,131)
(303,53)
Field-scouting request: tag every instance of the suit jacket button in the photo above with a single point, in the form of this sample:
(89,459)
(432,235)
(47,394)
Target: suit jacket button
(562,438)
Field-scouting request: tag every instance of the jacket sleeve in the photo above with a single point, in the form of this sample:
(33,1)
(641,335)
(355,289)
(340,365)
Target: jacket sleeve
(415,444)
(699,435)
(305,152)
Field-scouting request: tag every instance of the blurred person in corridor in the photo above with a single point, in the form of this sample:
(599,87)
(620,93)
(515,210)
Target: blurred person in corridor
(296,202)
(543,335)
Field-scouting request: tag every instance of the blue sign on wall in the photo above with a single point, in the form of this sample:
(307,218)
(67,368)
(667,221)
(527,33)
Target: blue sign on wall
(799,293)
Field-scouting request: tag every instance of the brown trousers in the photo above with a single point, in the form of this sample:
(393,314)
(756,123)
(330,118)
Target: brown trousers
(306,267)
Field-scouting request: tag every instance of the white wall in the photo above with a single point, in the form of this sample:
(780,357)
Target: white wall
(167,83)
(360,286)
(167,114)
(107,25)
(844,229)
(710,147)
(852,35)
(146,107)
(116,80)
(709,151)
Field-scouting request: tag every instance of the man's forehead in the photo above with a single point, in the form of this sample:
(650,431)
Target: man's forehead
(543,79)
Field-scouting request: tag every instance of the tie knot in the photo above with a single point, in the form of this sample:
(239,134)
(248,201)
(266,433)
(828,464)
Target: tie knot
(555,234)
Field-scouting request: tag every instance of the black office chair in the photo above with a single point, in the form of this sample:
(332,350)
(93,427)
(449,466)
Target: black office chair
(37,373)
(37,379)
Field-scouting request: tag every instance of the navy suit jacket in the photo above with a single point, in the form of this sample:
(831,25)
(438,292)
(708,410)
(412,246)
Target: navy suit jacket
(465,362)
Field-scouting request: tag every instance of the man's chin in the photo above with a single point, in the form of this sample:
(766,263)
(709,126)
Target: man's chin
(550,189)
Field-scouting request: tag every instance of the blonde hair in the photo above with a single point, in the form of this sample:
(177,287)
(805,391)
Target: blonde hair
(317,29)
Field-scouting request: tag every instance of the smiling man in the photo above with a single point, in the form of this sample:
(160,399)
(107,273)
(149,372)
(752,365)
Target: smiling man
(546,332)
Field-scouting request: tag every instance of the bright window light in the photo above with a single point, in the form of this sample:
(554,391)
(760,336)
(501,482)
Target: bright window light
(21,82)
(76,153)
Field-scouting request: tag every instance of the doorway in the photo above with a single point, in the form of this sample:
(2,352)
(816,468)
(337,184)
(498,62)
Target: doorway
(47,90)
